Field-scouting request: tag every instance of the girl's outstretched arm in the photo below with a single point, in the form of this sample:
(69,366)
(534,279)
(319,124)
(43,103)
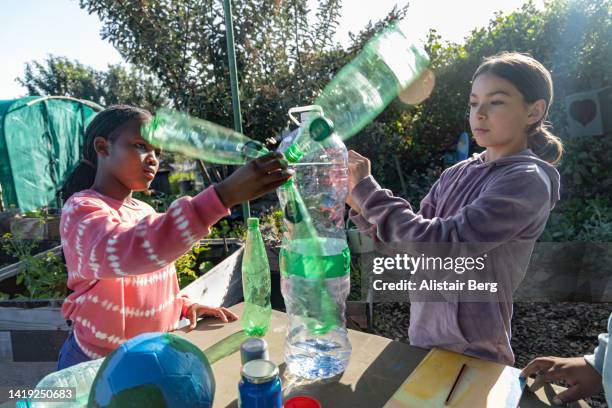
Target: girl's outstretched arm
(97,245)
(497,216)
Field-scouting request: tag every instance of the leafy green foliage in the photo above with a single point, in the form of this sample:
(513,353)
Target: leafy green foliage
(187,267)
(598,228)
(17,248)
(63,77)
(586,169)
(176,176)
(226,230)
(272,226)
(577,219)
(44,215)
(357,289)
(43,277)
(36,213)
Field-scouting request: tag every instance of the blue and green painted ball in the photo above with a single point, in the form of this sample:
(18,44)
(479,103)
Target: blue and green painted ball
(154,370)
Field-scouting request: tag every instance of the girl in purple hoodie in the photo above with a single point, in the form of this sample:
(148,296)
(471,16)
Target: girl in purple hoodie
(494,204)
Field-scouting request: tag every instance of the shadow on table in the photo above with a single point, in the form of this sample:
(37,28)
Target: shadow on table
(377,384)
(529,399)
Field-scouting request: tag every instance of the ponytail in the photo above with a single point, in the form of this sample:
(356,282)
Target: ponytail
(545,145)
(81,178)
(107,124)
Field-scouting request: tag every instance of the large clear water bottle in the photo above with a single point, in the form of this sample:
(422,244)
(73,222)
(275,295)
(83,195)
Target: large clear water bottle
(79,377)
(317,350)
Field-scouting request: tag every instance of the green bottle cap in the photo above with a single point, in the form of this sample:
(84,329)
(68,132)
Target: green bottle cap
(321,128)
(293,153)
(253,222)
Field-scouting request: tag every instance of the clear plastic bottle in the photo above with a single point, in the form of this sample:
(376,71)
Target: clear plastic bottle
(324,186)
(79,376)
(315,278)
(178,132)
(256,283)
(388,64)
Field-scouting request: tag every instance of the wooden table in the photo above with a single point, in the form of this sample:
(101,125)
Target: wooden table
(378,366)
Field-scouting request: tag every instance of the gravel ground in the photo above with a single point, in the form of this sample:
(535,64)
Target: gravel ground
(539,329)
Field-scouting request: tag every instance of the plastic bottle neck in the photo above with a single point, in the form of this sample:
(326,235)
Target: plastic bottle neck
(253,224)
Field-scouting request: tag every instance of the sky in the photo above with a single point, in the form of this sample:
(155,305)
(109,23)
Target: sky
(33,29)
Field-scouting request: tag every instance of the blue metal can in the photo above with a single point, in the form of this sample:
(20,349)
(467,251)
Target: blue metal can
(260,386)
(253,348)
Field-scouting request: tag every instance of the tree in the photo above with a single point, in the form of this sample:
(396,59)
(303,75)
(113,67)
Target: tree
(60,76)
(282,59)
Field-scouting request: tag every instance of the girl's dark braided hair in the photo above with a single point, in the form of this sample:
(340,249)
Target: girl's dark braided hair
(107,124)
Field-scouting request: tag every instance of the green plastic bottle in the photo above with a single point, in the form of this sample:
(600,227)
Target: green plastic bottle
(178,132)
(256,283)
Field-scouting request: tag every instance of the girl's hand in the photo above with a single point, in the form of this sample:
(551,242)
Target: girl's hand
(195,310)
(359,168)
(254,179)
(583,379)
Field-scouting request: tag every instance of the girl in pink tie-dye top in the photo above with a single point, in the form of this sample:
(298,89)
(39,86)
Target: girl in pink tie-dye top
(120,253)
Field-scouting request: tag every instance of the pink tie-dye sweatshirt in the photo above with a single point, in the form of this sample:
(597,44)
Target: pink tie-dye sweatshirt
(120,258)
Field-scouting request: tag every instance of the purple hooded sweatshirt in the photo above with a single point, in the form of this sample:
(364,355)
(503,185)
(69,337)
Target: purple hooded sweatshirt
(502,202)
